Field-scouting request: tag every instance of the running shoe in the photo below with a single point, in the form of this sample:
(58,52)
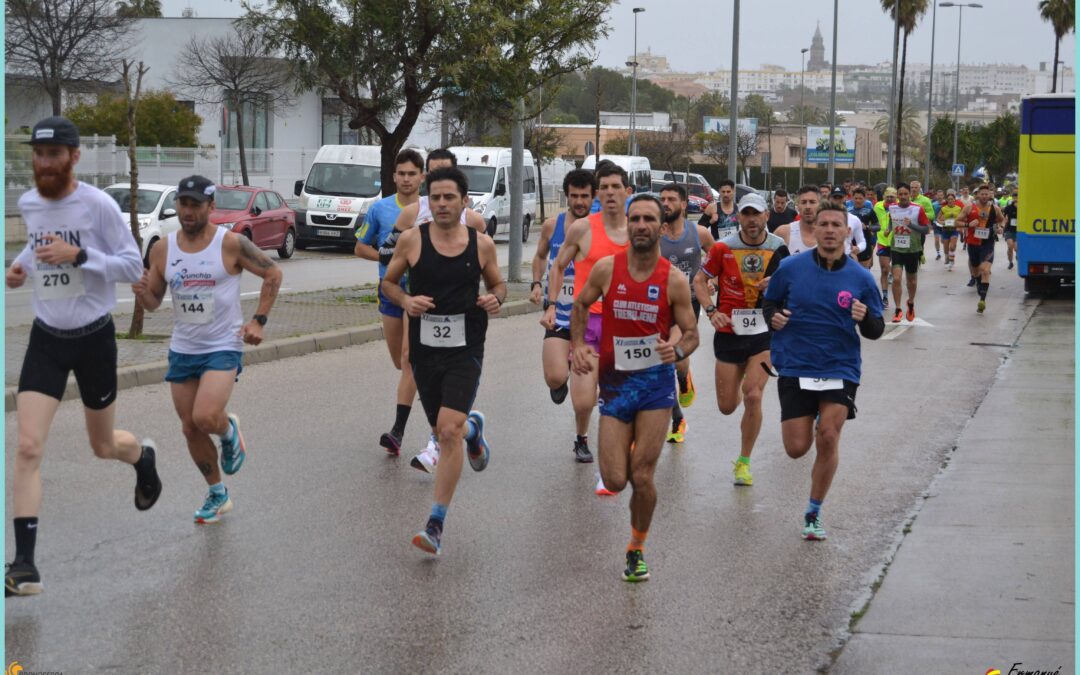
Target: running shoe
(215,506)
(601,489)
(636,569)
(428,458)
(972,282)
(922,258)
(898,315)
(982,306)
(686,398)
(911,311)
(429,539)
(1010,264)
(813,529)
(147,482)
(392,443)
(21,578)
(582,454)
(478,450)
(885,299)
(233,454)
(559,395)
(938,256)
(742,474)
(678,431)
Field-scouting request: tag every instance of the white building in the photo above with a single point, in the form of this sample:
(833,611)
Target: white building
(771,80)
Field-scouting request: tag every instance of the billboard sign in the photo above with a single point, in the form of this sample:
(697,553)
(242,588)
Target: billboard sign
(817,145)
(745,125)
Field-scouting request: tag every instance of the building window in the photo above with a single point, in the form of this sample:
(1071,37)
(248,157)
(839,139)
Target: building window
(335,125)
(256,126)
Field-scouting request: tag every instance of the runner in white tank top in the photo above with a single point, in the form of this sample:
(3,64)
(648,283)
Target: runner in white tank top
(202,264)
(807,202)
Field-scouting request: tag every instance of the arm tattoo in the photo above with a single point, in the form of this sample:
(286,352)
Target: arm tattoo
(252,254)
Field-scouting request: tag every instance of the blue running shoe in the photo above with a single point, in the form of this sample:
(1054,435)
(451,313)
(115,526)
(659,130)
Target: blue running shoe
(429,540)
(234,453)
(216,505)
(478,450)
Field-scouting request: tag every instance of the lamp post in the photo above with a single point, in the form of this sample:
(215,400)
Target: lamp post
(733,120)
(832,96)
(802,115)
(930,95)
(956,108)
(633,88)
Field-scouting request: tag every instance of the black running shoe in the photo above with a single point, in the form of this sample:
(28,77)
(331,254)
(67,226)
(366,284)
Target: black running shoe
(636,569)
(21,578)
(559,395)
(147,483)
(392,443)
(581,452)
(430,539)
(972,282)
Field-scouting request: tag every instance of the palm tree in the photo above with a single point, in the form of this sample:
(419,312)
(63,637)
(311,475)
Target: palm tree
(1062,16)
(909,128)
(910,13)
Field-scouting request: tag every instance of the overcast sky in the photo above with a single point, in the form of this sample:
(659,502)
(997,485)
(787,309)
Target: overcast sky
(695,35)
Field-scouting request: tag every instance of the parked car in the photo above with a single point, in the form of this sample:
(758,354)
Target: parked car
(260,215)
(695,185)
(157,212)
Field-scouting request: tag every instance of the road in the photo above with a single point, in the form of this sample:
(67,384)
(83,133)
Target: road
(314,571)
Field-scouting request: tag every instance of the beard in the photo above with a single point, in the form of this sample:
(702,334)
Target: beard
(644,246)
(672,216)
(52,183)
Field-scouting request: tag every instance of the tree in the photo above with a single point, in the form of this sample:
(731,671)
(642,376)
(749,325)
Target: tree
(131,98)
(1062,16)
(161,120)
(999,143)
(388,59)
(138,9)
(909,130)
(968,144)
(811,115)
(714,145)
(910,13)
(755,106)
(232,71)
(55,42)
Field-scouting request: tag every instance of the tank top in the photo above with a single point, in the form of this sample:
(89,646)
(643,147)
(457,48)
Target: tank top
(795,240)
(456,325)
(981,221)
(205,299)
(601,247)
(564,303)
(423,212)
(684,252)
(636,314)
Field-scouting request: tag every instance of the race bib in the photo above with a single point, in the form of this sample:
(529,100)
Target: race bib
(950,222)
(442,330)
(53,282)
(901,240)
(724,232)
(748,321)
(194,306)
(982,232)
(566,292)
(636,353)
(820,384)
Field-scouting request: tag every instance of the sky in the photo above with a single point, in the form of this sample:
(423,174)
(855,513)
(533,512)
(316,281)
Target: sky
(1003,31)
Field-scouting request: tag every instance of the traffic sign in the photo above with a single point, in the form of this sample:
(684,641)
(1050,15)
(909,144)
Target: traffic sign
(957,170)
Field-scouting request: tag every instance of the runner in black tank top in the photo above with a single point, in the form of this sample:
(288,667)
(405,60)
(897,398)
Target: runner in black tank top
(448,323)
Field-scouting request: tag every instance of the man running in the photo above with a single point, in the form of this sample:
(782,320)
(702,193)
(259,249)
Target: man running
(799,234)
(983,220)
(1009,212)
(856,237)
(908,225)
(917,197)
(741,266)
(780,214)
(884,241)
(643,294)
(588,240)
(78,248)
(864,211)
(448,326)
(681,244)
(721,217)
(946,220)
(201,265)
(580,190)
(813,304)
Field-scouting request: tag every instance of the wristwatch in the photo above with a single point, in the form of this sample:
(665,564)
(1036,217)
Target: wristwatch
(260,318)
(709,310)
(679,353)
(547,303)
(535,283)
(80,258)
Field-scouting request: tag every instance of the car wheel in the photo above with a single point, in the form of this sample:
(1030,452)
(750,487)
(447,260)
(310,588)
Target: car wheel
(149,247)
(288,246)
(493,227)
(525,229)
(250,237)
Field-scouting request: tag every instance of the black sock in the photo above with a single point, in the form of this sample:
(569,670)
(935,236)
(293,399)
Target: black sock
(983,288)
(684,385)
(676,414)
(143,463)
(401,419)
(25,538)
(583,439)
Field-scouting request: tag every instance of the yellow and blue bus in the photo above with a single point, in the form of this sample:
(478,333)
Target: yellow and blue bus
(1046,208)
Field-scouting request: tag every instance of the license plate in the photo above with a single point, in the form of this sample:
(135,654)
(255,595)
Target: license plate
(328,233)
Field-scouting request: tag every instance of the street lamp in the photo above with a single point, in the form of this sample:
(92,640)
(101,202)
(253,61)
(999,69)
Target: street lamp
(930,95)
(832,96)
(956,109)
(802,114)
(633,86)
(733,118)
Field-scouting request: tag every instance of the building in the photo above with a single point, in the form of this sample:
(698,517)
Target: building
(578,141)
(817,51)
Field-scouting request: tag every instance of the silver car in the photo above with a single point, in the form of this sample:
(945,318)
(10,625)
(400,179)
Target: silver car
(157,211)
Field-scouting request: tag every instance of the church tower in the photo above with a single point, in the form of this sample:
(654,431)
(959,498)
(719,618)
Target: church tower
(817,52)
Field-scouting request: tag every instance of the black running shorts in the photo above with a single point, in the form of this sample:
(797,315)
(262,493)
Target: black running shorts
(53,354)
(448,383)
(559,332)
(797,402)
(909,261)
(984,253)
(737,349)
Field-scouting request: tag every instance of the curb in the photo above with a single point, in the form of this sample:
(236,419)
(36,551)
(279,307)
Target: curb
(143,374)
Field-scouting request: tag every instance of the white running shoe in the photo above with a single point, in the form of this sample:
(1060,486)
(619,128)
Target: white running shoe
(601,490)
(428,458)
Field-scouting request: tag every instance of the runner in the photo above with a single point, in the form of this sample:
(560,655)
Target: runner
(721,217)
(908,225)
(946,219)
(741,266)
(681,244)
(579,190)
(884,241)
(643,294)
(587,241)
(917,197)
(446,260)
(201,265)
(1009,212)
(813,304)
(856,238)
(864,211)
(983,220)
(78,247)
(799,234)
(780,214)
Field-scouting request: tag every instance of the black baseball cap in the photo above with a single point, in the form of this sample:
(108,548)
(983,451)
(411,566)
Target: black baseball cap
(198,188)
(838,192)
(55,131)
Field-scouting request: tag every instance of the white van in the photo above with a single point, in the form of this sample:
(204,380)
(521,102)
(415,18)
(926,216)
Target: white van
(343,183)
(488,171)
(638,168)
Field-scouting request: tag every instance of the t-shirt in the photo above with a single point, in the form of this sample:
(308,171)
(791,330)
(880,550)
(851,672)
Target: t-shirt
(379,223)
(884,235)
(950,211)
(927,206)
(782,218)
(868,218)
(726,223)
(738,267)
(1010,212)
(902,217)
(820,339)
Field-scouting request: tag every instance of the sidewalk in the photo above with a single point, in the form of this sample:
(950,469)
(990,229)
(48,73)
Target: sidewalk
(300,323)
(983,577)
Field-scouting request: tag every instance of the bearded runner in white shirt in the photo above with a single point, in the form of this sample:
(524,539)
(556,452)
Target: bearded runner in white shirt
(78,248)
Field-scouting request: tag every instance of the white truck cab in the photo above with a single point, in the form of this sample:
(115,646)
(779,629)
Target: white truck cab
(488,172)
(344,181)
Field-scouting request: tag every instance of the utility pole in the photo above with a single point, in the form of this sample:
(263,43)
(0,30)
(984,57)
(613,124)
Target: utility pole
(733,128)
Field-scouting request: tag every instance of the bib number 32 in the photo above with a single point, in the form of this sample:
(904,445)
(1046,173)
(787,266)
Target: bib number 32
(442,331)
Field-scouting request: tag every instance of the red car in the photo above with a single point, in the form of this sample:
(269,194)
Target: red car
(260,215)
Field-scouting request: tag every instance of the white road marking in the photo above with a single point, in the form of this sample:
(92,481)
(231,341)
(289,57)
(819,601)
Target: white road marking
(904,327)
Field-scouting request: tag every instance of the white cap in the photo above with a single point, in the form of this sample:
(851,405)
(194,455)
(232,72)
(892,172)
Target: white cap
(754,201)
